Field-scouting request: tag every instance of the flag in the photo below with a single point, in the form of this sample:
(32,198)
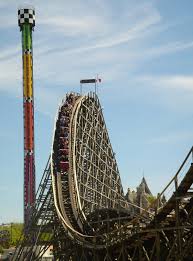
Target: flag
(98,79)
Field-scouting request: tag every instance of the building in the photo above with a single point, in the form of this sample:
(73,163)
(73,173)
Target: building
(140,198)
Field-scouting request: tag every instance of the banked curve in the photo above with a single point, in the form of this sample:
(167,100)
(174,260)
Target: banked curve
(84,171)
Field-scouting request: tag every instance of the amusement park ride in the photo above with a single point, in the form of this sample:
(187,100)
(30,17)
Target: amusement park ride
(26,22)
(79,208)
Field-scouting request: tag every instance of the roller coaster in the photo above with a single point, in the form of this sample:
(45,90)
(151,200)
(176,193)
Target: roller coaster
(80,208)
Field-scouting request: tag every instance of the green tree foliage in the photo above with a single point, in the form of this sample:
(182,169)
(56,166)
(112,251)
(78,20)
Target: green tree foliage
(15,232)
(151,199)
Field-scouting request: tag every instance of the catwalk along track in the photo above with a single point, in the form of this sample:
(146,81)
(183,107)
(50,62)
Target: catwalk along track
(81,212)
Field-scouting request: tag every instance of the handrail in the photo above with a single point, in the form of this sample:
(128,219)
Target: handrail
(188,155)
(136,219)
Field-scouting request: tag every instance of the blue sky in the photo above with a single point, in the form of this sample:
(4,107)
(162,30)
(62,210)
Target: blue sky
(143,52)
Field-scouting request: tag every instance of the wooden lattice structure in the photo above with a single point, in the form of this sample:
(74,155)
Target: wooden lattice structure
(80,206)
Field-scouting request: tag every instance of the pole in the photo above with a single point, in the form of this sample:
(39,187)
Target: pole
(26,22)
(11,233)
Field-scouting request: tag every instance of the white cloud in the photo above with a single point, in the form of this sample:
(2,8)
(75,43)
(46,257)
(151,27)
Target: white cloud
(10,75)
(179,82)
(10,52)
(75,40)
(71,25)
(138,31)
(168,49)
(102,31)
(173,93)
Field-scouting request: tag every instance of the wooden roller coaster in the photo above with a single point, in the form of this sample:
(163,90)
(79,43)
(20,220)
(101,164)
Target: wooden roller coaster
(80,206)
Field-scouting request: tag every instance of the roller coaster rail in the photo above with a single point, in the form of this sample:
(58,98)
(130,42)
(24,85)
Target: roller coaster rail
(80,206)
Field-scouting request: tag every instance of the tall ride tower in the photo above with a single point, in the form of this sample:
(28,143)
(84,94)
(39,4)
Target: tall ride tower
(26,22)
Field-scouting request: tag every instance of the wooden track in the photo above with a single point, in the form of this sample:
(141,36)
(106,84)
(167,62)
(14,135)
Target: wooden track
(80,206)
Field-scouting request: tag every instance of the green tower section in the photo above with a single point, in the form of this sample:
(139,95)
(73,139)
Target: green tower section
(27,37)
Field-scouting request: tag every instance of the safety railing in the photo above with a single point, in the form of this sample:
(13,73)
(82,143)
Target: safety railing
(163,197)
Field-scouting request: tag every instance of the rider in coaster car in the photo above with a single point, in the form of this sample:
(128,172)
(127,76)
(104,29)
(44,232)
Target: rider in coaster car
(64,158)
(66,134)
(63,143)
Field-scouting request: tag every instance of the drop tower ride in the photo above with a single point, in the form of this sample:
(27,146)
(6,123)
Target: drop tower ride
(26,22)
